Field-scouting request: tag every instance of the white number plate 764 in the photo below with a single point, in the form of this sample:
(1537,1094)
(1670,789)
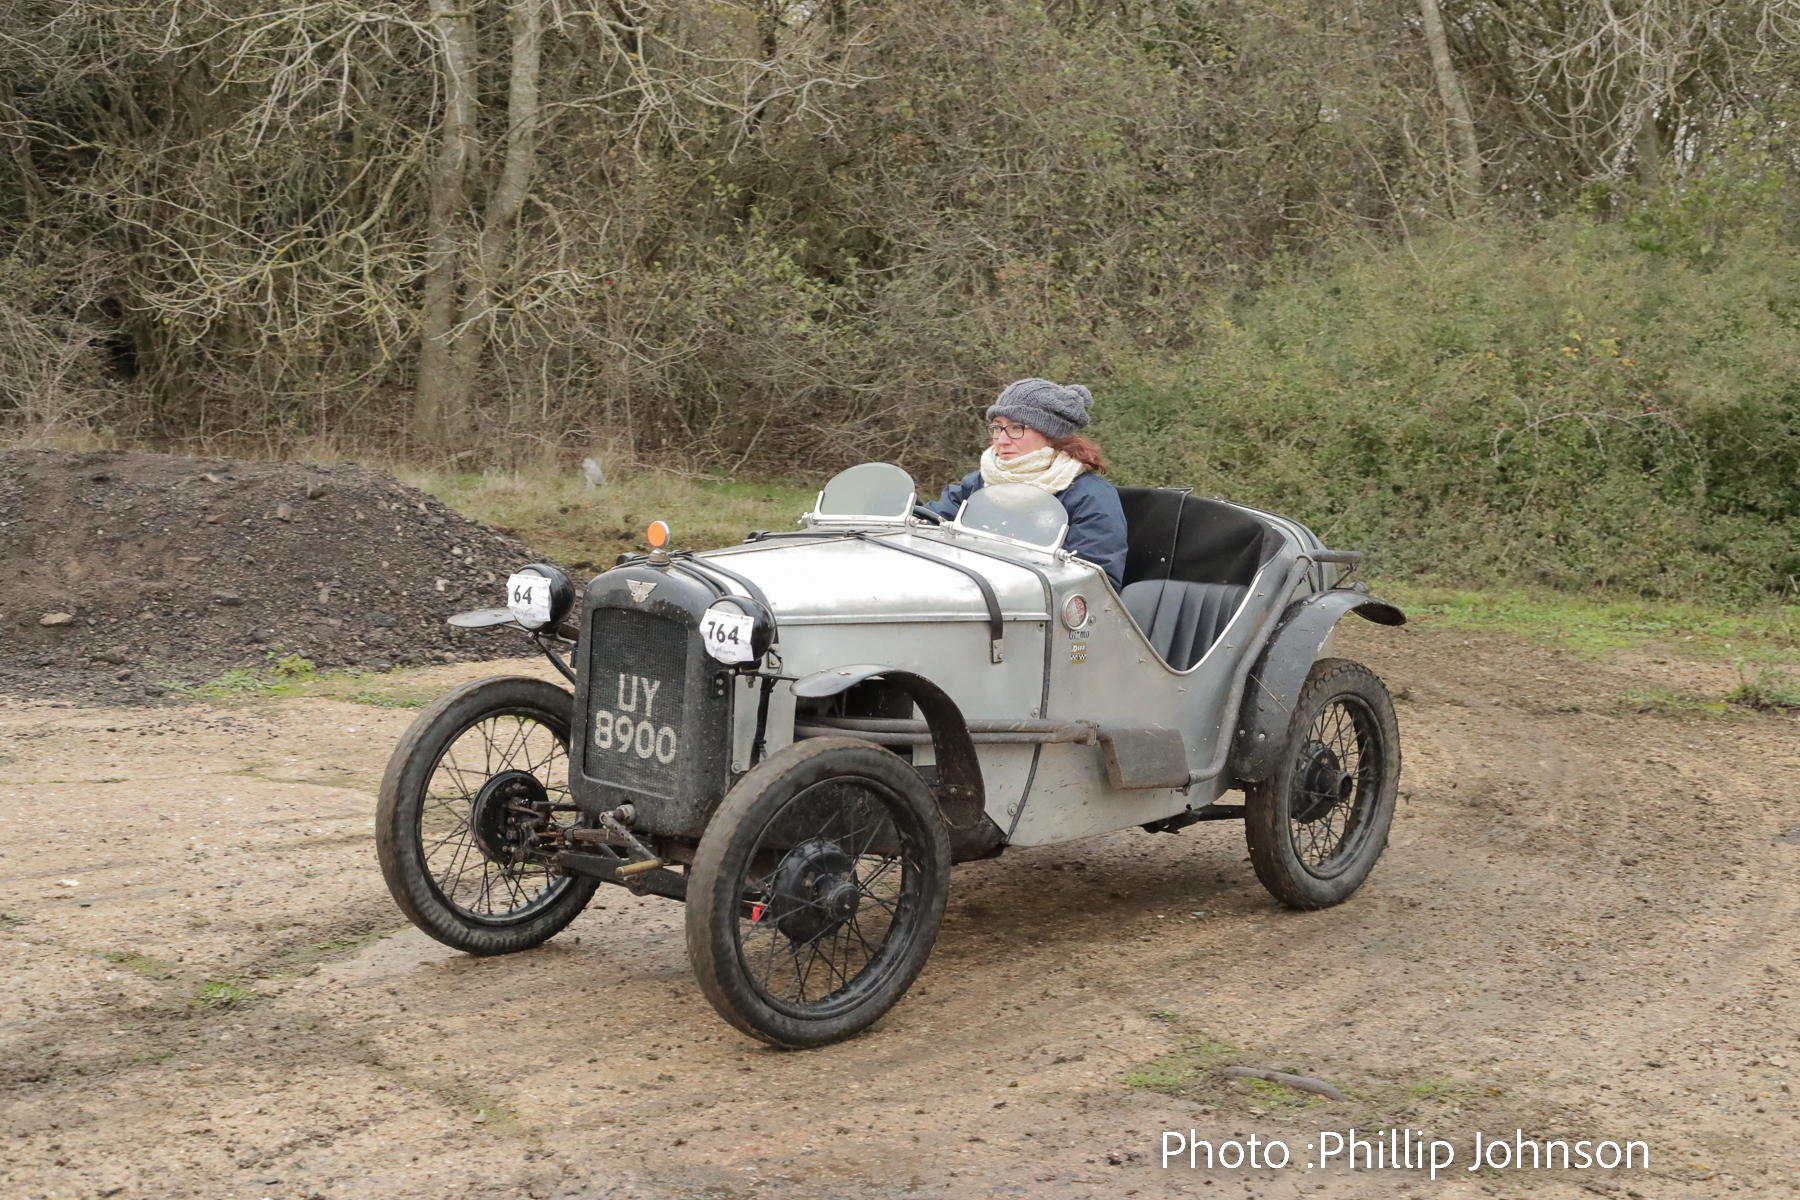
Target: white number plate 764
(727,635)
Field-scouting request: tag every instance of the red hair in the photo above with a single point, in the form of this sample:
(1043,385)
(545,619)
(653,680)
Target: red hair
(1082,449)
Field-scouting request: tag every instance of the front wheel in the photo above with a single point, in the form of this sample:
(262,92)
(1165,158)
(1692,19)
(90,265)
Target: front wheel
(817,892)
(1318,824)
(479,774)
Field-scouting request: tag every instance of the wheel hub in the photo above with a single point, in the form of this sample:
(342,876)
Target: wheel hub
(1324,784)
(500,825)
(814,890)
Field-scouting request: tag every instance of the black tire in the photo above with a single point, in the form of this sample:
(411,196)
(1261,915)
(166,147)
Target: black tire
(824,827)
(1317,825)
(446,809)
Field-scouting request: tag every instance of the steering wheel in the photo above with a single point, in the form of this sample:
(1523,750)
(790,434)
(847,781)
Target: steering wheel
(920,511)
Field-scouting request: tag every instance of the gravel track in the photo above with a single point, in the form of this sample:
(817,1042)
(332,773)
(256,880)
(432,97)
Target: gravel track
(1584,927)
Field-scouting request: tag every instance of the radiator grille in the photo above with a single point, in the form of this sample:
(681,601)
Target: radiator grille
(637,668)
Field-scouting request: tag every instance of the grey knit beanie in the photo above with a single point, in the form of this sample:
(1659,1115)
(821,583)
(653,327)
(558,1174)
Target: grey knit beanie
(1055,410)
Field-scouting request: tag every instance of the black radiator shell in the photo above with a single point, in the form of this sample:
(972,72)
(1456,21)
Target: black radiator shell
(627,662)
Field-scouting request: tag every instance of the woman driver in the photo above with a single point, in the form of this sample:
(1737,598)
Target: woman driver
(1034,429)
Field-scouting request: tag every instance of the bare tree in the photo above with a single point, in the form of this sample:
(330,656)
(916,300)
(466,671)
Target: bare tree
(439,408)
(755,227)
(1602,90)
(1460,122)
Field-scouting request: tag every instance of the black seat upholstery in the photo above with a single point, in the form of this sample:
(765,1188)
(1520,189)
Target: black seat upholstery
(1189,563)
(1181,619)
(1172,535)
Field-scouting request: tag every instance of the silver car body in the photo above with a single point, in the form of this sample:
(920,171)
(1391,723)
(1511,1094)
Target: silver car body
(901,594)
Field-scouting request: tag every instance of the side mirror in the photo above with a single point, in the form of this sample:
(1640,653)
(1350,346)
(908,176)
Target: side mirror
(539,597)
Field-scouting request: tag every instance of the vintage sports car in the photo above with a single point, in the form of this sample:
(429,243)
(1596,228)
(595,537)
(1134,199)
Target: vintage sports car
(797,736)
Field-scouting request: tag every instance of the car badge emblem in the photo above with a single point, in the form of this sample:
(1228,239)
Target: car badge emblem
(640,591)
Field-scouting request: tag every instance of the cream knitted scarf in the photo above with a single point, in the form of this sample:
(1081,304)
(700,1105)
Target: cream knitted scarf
(1044,467)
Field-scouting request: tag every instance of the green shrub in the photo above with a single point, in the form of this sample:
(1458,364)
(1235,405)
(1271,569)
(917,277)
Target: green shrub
(1571,409)
(294,666)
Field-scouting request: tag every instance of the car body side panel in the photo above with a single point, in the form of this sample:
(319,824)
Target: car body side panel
(1110,672)
(1070,798)
(950,653)
(855,601)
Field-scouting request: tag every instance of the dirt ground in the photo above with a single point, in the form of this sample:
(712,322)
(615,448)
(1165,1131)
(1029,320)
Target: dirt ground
(1584,928)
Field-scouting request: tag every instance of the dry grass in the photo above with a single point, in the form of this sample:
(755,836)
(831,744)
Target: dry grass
(556,512)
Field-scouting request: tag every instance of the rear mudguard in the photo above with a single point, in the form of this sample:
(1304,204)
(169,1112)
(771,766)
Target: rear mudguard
(1280,673)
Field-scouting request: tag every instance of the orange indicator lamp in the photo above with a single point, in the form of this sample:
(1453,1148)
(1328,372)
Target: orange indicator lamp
(658,533)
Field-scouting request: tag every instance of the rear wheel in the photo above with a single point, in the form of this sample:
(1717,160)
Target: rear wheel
(1317,825)
(817,892)
(478,774)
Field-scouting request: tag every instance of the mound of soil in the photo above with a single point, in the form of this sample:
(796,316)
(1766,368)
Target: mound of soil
(120,572)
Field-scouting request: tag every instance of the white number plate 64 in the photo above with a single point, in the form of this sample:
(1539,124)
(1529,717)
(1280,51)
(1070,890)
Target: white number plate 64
(528,595)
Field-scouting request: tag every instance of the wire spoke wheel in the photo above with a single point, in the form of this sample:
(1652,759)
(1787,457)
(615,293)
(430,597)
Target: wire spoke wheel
(814,926)
(1317,826)
(817,892)
(1335,785)
(481,805)
(481,774)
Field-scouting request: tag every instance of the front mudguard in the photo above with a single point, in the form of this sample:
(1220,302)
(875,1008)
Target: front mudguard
(1280,672)
(960,791)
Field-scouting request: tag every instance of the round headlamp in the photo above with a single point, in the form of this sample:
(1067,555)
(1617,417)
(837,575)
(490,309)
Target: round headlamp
(539,596)
(737,629)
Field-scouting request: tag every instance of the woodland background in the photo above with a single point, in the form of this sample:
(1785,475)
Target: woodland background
(1497,289)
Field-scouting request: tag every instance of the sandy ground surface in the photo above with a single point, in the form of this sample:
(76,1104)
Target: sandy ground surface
(1584,928)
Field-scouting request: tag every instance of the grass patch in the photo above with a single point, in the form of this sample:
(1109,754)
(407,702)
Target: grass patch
(282,677)
(1442,1089)
(1173,1072)
(222,993)
(1276,1095)
(12,920)
(379,700)
(398,688)
(558,514)
(143,964)
(233,684)
(1191,1071)
(291,675)
(1770,690)
(1670,703)
(294,666)
(301,959)
(1591,625)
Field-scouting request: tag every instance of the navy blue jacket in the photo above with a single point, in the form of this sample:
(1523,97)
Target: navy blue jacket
(1096,520)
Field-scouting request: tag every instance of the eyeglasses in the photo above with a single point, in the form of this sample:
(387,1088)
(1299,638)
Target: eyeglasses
(1009,430)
